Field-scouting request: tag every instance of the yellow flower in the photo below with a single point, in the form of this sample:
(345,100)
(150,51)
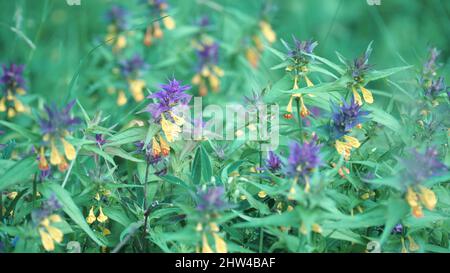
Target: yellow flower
(91,217)
(12,195)
(205,245)
(136,89)
(252,57)
(50,234)
(156,149)
(170,130)
(344,147)
(267,31)
(101,217)
(165,148)
(316,228)
(262,194)
(168,22)
(69,150)
(367,95)
(428,198)
(55,157)
(221,246)
(121,99)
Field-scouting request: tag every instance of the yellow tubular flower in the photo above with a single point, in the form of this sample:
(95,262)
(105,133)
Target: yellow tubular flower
(428,198)
(262,194)
(157,32)
(252,57)
(308,82)
(46,240)
(169,22)
(18,105)
(196,79)
(121,99)
(214,82)
(156,149)
(356,96)
(69,150)
(101,217)
(353,142)
(218,71)
(55,157)
(63,166)
(11,113)
(136,88)
(165,148)
(121,43)
(367,95)
(91,217)
(170,130)
(304,112)
(316,228)
(2,105)
(205,245)
(267,31)
(221,246)
(178,120)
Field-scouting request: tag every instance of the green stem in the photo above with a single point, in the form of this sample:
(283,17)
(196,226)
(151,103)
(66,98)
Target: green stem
(299,116)
(145,207)
(34,190)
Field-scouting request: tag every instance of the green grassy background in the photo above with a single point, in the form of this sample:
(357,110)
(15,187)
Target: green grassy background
(62,35)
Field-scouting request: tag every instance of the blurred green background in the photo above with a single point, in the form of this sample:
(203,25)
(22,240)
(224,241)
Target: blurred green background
(61,35)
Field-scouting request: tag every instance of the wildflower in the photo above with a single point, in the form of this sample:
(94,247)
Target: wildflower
(118,20)
(398,229)
(154,154)
(430,66)
(13,86)
(213,230)
(357,70)
(91,218)
(170,99)
(131,70)
(56,127)
(212,199)
(157,9)
(45,218)
(418,168)
(100,140)
(208,73)
(299,58)
(273,162)
(255,44)
(344,119)
(434,88)
(303,160)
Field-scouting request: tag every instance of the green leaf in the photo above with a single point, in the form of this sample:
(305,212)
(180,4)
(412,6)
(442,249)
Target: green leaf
(69,207)
(20,130)
(128,136)
(379,74)
(201,166)
(19,172)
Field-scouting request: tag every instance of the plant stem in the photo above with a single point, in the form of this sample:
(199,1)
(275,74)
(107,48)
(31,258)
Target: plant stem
(299,116)
(145,206)
(34,190)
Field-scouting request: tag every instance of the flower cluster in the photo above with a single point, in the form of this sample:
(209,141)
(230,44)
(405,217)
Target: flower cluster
(157,9)
(210,201)
(131,69)
(207,69)
(13,85)
(56,128)
(418,168)
(344,119)
(303,160)
(166,112)
(45,218)
(432,84)
(299,61)
(118,20)
(256,45)
(154,153)
(273,162)
(357,71)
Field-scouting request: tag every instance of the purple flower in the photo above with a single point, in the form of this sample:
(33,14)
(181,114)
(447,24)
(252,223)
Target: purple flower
(12,77)
(208,54)
(204,21)
(147,151)
(421,166)
(118,16)
(361,65)
(48,207)
(429,67)
(133,67)
(398,229)
(212,199)
(435,88)
(303,159)
(58,121)
(99,139)
(168,97)
(273,162)
(345,117)
(300,48)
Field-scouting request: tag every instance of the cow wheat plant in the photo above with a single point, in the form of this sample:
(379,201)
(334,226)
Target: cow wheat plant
(115,135)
